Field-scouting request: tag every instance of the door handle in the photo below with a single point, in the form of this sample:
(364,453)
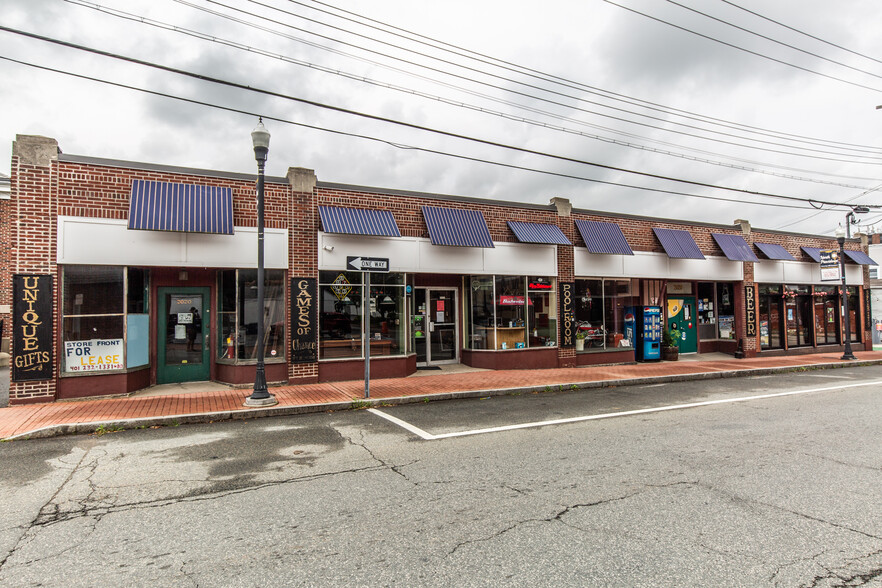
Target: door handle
(431,327)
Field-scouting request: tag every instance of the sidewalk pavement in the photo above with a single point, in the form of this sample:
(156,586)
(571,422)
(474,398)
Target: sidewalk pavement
(85,416)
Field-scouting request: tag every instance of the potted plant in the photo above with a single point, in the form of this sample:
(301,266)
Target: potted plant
(670,345)
(580,340)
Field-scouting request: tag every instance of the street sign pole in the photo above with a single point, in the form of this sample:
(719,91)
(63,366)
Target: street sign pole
(366,309)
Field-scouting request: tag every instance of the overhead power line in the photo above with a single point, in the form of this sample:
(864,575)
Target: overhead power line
(744,49)
(403,124)
(521,69)
(396,144)
(876,155)
(362,79)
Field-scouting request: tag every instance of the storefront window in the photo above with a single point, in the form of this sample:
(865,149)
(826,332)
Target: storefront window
(826,302)
(707,311)
(541,312)
(770,316)
(93,321)
(137,318)
(341,318)
(600,312)
(511,312)
(798,315)
(725,311)
(854,314)
(238,314)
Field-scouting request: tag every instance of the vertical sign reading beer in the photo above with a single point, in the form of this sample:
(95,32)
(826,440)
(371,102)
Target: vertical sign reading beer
(567,315)
(750,310)
(304,320)
(31,327)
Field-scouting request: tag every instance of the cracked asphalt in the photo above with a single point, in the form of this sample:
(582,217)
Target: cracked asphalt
(776,492)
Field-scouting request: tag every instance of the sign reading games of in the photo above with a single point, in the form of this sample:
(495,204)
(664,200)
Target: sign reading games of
(304,320)
(94,355)
(31,327)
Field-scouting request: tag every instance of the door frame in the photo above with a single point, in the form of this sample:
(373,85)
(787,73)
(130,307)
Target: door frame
(456,327)
(166,374)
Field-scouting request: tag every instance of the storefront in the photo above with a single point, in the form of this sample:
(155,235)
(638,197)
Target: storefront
(152,272)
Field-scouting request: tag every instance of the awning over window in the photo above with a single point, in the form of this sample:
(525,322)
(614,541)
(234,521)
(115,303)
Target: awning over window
(538,233)
(860,257)
(678,244)
(734,247)
(603,237)
(774,251)
(358,221)
(813,252)
(163,206)
(457,227)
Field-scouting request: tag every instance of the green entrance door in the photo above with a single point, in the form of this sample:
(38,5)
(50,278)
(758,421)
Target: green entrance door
(183,335)
(682,318)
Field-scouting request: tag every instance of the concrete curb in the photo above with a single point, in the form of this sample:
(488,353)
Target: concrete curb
(355,404)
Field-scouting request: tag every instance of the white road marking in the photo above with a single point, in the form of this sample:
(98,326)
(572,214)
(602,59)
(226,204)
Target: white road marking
(430,437)
(405,425)
(827,376)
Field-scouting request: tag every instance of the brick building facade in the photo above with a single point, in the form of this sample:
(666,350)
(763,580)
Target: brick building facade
(134,307)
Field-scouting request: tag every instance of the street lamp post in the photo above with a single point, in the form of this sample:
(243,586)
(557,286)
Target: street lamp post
(260,396)
(840,238)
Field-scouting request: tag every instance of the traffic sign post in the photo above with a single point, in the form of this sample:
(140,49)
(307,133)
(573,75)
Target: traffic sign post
(367,265)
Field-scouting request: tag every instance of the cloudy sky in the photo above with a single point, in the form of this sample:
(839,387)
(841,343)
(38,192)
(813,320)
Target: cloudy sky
(730,101)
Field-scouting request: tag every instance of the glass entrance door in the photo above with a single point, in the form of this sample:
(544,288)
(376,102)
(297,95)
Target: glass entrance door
(435,327)
(182,334)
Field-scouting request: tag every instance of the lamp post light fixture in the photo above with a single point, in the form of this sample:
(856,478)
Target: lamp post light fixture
(840,238)
(260,396)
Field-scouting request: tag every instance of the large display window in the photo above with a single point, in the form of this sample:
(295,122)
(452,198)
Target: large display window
(826,300)
(105,320)
(342,314)
(511,312)
(600,312)
(238,315)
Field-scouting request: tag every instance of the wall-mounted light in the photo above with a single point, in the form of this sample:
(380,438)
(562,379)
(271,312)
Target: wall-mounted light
(328,247)
(183,276)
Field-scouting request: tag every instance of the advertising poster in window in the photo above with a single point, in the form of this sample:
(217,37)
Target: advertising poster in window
(94,355)
(304,320)
(32,322)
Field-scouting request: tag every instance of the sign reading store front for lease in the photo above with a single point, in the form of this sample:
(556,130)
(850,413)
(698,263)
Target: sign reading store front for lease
(94,355)
(31,327)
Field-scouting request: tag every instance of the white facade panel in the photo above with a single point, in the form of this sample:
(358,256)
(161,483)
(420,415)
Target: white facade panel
(414,255)
(792,272)
(646,264)
(95,241)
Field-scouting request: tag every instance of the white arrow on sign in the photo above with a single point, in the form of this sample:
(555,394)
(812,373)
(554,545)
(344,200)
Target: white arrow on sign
(368,264)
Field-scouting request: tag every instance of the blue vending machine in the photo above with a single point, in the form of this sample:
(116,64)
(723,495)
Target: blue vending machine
(648,329)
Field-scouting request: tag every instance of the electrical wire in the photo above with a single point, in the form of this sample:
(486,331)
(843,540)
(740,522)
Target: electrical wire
(410,147)
(239,46)
(534,97)
(745,50)
(566,82)
(403,124)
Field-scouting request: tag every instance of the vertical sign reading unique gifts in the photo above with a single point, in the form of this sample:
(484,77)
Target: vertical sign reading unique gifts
(304,320)
(31,327)
(750,310)
(567,315)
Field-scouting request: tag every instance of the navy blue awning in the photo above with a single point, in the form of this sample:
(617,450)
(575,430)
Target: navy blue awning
(678,244)
(813,252)
(774,251)
(358,221)
(163,206)
(538,233)
(734,247)
(457,227)
(603,237)
(860,257)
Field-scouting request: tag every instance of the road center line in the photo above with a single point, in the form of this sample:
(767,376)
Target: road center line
(430,437)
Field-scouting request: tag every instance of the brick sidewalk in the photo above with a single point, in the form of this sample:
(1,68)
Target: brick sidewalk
(85,415)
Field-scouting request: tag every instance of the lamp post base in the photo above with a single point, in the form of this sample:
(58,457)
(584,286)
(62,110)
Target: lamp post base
(261,402)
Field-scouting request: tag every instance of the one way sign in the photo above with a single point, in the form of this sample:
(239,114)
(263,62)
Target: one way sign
(368,264)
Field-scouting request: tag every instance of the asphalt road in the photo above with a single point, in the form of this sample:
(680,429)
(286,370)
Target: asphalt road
(775,491)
